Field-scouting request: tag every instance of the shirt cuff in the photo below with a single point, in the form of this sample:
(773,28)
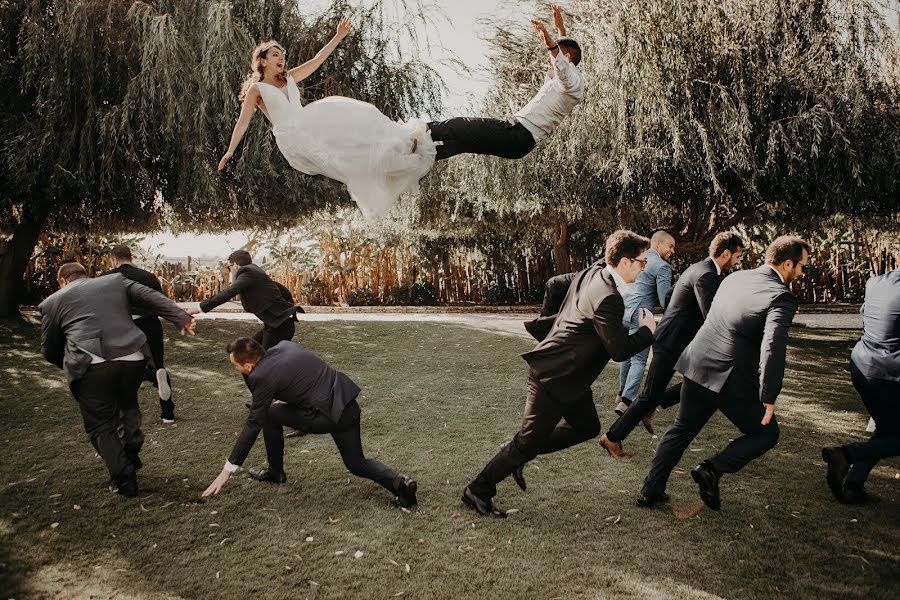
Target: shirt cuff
(230,467)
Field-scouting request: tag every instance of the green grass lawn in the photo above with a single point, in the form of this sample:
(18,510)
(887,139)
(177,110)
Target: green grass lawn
(437,400)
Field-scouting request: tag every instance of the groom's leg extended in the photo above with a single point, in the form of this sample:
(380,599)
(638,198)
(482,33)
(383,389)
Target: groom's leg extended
(497,137)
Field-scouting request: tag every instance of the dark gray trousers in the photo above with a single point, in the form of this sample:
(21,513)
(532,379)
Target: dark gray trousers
(698,404)
(654,393)
(497,137)
(882,400)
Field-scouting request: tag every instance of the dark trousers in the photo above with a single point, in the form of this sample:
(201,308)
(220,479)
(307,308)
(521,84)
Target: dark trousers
(549,425)
(698,404)
(269,336)
(152,328)
(108,397)
(882,400)
(497,137)
(654,394)
(345,434)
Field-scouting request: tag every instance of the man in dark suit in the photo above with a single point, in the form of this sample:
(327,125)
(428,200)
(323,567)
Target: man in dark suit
(88,332)
(690,300)
(148,322)
(875,373)
(270,301)
(576,342)
(735,364)
(294,387)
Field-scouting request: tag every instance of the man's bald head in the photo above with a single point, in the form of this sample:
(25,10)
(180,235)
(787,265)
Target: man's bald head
(663,242)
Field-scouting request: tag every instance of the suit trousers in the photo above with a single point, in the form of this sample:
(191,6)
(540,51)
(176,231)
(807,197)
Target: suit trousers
(654,393)
(152,328)
(549,425)
(269,336)
(698,404)
(631,370)
(882,400)
(108,396)
(345,433)
(497,137)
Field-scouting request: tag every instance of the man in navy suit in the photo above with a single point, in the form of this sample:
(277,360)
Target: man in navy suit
(735,365)
(875,373)
(685,312)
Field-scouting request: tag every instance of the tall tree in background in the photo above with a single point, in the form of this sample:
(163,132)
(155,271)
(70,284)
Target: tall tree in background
(113,114)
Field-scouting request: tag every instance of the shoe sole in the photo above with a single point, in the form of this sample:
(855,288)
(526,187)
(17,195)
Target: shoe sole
(493,515)
(703,495)
(162,383)
(621,408)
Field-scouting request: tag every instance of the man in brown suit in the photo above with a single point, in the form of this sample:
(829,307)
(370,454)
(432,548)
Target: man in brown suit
(576,342)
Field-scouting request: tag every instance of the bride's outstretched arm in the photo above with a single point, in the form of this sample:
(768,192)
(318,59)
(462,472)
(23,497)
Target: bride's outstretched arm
(247,110)
(308,68)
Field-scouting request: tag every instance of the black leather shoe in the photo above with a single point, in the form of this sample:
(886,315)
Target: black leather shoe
(838,467)
(484,507)
(857,495)
(126,485)
(649,500)
(406,491)
(260,474)
(295,433)
(519,477)
(708,481)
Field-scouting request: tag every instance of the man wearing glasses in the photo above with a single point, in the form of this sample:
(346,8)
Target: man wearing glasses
(735,364)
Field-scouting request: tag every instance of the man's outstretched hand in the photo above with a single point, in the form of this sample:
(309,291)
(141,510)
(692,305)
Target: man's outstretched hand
(558,20)
(542,31)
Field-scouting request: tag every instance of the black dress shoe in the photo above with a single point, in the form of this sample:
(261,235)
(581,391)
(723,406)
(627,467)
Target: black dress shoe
(857,495)
(295,433)
(838,467)
(484,507)
(406,491)
(260,474)
(126,485)
(519,477)
(649,500)
(708,481)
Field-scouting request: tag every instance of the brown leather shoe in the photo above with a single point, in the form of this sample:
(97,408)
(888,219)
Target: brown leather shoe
(648,423)
(613,448)
(838,467)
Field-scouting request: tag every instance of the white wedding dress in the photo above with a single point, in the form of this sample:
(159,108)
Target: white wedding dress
(352,142)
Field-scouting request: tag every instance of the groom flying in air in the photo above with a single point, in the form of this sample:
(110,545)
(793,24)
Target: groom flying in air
(516,136)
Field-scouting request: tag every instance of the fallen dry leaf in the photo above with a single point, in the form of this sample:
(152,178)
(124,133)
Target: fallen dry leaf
(76,507)
(358,554)
(310,538)
(54,525)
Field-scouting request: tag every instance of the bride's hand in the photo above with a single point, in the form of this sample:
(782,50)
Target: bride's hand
(224,160)
(343,28)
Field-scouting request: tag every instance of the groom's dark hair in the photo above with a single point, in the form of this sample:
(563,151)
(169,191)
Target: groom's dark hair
(624,244)
(240,258)
(246,350)
(573,48)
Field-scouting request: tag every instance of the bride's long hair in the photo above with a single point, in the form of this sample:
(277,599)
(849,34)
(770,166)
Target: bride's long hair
(256,69)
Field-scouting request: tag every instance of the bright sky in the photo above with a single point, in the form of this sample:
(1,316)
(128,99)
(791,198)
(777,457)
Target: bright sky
(460,34)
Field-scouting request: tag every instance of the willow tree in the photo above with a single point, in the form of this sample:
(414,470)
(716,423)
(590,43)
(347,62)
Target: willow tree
(114,114)
(700,115)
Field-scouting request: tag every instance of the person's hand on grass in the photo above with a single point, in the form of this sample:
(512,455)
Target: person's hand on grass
(217,484)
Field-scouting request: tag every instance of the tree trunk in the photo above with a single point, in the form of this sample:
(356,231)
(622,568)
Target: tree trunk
(14,256)
(561,248)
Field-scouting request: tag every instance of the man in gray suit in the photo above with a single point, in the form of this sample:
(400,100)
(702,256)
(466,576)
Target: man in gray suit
(576,342)
(649,290)
(734,364)
(875,373)
(293,387)
(87,331)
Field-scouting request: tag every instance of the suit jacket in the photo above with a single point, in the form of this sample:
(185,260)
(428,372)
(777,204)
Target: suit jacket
(744,338)
(292,374)
(651,287)
(95,315)
(585,333)
(689,303)
(271,302)
(141,276)
(877,353)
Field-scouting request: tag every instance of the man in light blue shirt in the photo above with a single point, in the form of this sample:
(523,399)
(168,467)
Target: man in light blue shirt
(649,290)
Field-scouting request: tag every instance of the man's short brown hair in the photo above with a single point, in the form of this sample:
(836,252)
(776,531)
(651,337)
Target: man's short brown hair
(787,247)
(246,350)
(121,252)
(240,257)
(624,244)
(723,241)
(71,271)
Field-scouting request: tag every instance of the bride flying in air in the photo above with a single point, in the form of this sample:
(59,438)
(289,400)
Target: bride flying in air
(344,139)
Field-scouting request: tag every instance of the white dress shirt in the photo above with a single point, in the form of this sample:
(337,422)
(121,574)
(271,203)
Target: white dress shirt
(776,272)
(620,283)
(563,89)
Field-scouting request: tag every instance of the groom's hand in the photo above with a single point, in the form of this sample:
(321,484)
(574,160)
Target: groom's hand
(558,20)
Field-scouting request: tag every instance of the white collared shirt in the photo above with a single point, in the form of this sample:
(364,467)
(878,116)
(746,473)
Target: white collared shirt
(563,89)
(96,360)
(718,268)
(620,283)
(777,273)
